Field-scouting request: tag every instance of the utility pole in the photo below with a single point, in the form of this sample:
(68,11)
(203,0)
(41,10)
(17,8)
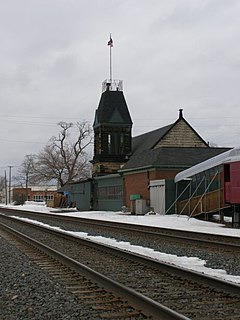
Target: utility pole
(10,181)
(6,193)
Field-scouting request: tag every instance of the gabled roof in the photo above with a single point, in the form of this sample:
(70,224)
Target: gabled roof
(112,109)
(147,140)
(150,139)
(188,124)
(170,157)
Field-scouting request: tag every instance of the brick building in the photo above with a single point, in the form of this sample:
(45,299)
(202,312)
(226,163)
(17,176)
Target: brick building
(136,170)
(157,156)
(34,193)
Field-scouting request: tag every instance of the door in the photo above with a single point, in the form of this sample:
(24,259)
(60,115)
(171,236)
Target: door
(157,196)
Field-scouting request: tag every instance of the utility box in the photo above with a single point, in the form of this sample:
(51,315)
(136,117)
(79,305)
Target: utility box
(140,206)
(133,198)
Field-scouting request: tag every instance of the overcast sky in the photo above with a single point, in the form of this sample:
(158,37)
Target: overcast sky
(170,54)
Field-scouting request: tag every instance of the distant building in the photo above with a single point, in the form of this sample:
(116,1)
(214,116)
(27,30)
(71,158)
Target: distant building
(34,193)
(3,195)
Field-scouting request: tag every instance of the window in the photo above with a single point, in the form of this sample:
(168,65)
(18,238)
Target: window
(38,198)
(110,193)
(109,143)
(115,143)
(121,148)
(227,172)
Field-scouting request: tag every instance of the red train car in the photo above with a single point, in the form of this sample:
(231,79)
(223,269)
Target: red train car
(214,186)
(232,182)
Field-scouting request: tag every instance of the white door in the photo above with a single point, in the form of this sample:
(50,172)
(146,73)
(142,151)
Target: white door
(157,196)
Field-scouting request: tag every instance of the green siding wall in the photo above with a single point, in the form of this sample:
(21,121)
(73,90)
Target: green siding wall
(81,195)
(108,193)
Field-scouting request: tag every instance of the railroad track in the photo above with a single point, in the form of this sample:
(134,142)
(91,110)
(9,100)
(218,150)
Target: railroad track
(108,299)
(187,293)
(196,238)
(218,252)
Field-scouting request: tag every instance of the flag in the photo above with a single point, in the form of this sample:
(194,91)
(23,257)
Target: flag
(110,42)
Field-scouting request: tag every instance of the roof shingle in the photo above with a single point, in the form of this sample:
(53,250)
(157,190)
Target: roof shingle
(170,157)
(110,102)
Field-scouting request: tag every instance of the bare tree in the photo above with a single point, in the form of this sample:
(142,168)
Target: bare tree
(64,158)
(25,174)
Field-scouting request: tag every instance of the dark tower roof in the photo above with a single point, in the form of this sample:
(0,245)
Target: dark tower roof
(112,130)
(112,108)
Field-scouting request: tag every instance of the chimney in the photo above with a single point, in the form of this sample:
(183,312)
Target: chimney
(180,113)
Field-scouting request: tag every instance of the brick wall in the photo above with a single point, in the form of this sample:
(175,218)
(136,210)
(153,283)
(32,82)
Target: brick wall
(32,195)
(137,183)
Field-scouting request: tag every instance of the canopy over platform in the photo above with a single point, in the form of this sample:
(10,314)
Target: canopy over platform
(228,156)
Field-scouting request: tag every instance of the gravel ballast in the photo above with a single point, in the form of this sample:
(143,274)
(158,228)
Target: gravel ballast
(145,280)
(216,259)
(27,292)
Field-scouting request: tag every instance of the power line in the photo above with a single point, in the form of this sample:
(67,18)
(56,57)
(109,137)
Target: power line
(35,117)
(22,141)
(6,166)
(74,117)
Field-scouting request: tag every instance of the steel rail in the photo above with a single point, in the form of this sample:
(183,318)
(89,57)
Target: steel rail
(174,234)
(208,280)
(147,306)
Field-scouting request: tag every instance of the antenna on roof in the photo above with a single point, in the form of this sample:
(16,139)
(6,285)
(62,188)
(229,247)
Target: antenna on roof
(110,44)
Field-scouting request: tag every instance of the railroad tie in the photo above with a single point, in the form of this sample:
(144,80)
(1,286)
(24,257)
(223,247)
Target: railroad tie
(119,315)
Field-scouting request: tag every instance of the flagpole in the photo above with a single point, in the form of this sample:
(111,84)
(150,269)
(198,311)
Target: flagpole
(110,44)
(110,60)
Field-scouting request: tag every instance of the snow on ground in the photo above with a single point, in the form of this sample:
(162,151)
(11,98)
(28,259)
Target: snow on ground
(167,221)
